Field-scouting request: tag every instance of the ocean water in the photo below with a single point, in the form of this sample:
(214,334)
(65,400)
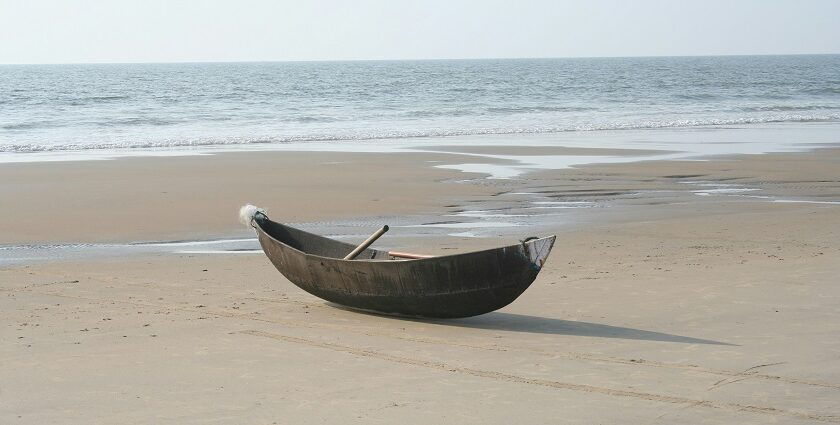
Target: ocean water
(90,108)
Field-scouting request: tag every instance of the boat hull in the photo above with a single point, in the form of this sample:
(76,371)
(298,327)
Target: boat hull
(452,286)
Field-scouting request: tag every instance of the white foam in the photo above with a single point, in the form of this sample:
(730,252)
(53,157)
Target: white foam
(560,205)
(249,251)
(484,214)
(470,225)
(801,201)
(681,144)
(724,190)
(463,235)
(195,243)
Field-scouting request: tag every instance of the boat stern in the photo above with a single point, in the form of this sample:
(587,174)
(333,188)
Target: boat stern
(538,250)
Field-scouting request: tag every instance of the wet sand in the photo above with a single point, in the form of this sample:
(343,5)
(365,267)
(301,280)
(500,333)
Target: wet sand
(175,198)
(667,305)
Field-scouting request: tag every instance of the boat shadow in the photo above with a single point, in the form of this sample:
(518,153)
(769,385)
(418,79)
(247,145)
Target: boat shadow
(512,322)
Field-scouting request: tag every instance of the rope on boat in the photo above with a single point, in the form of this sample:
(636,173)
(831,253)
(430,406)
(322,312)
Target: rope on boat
(247,214)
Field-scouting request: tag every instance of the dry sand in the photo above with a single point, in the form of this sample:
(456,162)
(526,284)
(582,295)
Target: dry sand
(668,307)
(198,196)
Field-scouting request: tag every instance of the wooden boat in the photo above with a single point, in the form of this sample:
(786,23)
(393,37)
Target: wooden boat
(449,286)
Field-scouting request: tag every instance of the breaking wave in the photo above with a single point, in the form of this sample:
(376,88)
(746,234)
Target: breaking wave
(168,106)
(199,142)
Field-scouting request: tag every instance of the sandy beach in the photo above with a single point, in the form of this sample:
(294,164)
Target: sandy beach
(631,211)
(692,292)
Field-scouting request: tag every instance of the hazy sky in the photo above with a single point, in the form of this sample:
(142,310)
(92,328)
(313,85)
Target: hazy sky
(72,31)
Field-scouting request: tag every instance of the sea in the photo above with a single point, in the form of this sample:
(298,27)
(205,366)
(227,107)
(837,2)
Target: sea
(68,110)
(686,108)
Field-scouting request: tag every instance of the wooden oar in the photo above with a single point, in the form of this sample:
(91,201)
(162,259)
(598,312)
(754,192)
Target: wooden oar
(353,254)
(408,255)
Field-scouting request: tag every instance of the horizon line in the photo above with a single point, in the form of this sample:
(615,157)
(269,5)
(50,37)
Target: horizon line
(409,59)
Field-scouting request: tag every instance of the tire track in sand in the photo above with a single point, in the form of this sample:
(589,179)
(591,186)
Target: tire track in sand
(440,341)
(499,376)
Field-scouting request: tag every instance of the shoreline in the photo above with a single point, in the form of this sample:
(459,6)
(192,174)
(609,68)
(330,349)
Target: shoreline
(138,184)
(690,140)
(140,201)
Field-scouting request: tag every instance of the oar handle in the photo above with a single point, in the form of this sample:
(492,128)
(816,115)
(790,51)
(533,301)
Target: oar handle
(353,254)
(409,255)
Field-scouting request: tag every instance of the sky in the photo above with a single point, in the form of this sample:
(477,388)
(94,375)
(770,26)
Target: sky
(96,31)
